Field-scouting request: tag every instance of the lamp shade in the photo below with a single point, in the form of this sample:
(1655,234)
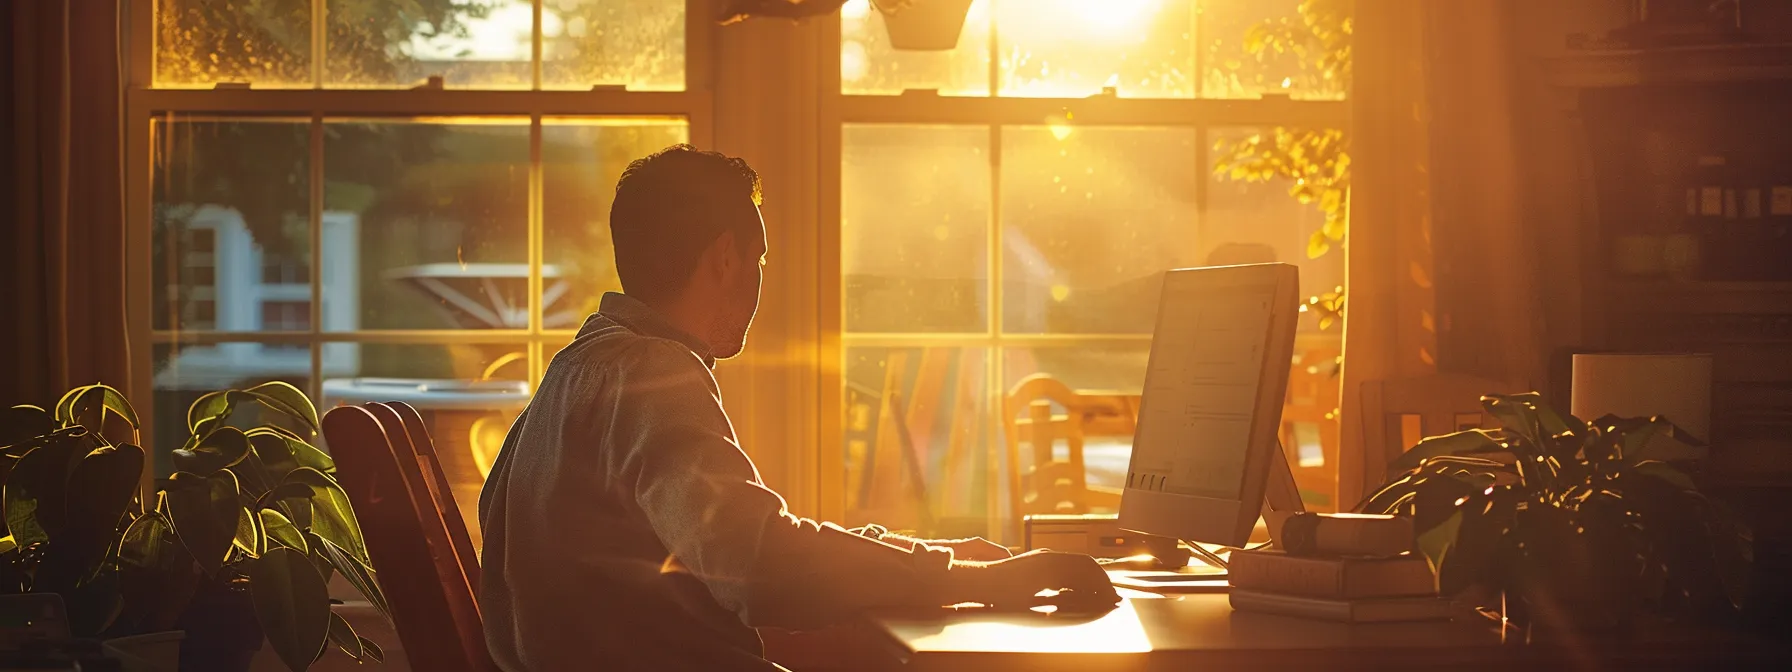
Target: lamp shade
(1676,386)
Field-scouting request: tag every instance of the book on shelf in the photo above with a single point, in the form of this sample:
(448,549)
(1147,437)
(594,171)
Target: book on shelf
(1308,533)
(1341,578)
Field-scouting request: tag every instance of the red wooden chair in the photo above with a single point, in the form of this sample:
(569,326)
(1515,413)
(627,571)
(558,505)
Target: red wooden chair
(416,564)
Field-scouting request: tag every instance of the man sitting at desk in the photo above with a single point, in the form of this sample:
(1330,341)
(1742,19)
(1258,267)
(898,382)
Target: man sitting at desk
(625,528)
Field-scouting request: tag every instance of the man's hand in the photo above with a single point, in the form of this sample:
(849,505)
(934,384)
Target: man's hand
(978,549)
(1017,581)
(974,549)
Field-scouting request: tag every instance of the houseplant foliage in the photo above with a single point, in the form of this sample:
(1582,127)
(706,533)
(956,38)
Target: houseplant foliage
(1314,162)
(250,517)
(1569,524)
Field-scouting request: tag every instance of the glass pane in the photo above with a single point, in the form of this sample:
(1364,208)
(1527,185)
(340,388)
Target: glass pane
(201,43)
(435,218)
(1109,379)
(1260,221)
(183,373)
(941,393)
(1073,48)
(467,394)
(581,161)
(1251,48)
(914,221)
(484,44)
(231,243)
(633,43)
(869,64)
(1091,218)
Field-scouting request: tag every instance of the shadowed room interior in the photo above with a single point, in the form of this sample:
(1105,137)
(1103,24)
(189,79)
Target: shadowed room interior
(227,221)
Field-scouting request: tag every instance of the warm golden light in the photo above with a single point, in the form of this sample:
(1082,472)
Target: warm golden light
(855,10)
(1059,124)
(854,63)
(1109,16)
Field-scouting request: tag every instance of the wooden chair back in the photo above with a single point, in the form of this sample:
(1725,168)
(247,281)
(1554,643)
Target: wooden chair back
(1041,483)
(1397,413)
(432,608)
(441,489)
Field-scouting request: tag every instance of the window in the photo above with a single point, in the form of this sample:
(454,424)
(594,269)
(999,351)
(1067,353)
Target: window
(1006,209)
(383,200)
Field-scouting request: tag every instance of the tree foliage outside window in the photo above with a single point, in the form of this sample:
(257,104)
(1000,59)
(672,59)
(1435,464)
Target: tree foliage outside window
(1315,162)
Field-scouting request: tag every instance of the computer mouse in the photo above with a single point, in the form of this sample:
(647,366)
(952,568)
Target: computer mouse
(1077,602)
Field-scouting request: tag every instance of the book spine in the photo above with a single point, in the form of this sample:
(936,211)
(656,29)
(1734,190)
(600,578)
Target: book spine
(1288,575)
(1284,605)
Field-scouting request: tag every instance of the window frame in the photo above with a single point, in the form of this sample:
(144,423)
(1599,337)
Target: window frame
(143,103)
(994,112)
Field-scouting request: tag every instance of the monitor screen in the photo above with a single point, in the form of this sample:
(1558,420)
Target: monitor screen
(1202,390)
(1211,411)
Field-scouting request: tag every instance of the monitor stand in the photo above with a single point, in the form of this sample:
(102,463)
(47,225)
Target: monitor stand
(1173,574)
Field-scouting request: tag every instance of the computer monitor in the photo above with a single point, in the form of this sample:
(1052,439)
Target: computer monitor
(1206,452)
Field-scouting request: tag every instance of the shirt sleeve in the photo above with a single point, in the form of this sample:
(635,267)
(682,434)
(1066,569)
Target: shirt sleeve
(703,498)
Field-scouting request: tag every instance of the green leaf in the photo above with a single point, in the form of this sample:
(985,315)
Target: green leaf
(291,453)
(150,542)
(24,422)
(271,451)
(281,531)
(36,491)
(359,574)
(209,410)
(343,636)
(1661,470)
(372,651)
(292,604)
(1334,227)
(332,516)
(158,575)
(1459,443)
(100,491)
(107,399)
(204,512)
(309,456)
(1318,245)
(222,448)
(1518,417)
(287,490)
(288,400)
(65,407)
(1436,542)
(249,538)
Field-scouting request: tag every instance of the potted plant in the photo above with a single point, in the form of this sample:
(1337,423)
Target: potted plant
(1568,524)
(237,545)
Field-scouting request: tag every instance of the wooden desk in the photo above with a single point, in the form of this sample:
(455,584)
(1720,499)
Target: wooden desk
(1183,632)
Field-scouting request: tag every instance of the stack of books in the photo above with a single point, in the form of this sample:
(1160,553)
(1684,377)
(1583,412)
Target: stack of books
(1338,567)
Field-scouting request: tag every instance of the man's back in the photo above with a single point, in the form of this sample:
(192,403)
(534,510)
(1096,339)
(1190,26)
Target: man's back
(575,575)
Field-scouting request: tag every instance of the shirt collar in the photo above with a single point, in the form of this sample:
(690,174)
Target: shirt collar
(642,319)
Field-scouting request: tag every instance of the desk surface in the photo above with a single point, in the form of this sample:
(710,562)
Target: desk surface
(1148,632)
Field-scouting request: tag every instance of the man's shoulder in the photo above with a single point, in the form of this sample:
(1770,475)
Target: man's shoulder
(606,343)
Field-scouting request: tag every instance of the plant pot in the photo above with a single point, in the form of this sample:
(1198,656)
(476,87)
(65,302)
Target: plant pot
(927,25)
(151,652)
(222,633)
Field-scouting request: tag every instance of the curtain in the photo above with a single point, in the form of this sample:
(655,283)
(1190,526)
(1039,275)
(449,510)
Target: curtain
(1389,329)
(1443,266)
(62,198)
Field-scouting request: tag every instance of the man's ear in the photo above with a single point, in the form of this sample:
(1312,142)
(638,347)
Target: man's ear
(726,253)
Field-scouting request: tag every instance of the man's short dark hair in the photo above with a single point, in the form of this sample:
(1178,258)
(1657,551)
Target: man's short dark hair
(670,206)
